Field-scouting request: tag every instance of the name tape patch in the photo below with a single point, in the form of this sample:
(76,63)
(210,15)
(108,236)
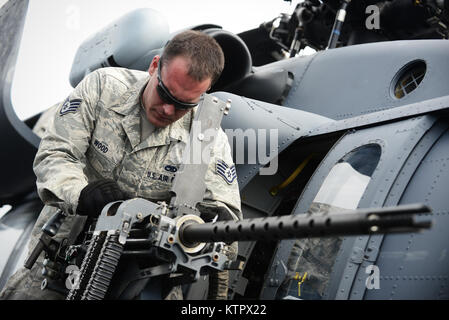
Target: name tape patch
(101,146)
(160,177)
(225,171)
(70,106)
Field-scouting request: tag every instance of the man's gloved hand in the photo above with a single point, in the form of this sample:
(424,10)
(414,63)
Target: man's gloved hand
(96,195)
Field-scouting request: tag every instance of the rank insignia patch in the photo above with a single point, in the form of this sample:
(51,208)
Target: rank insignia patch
(226,172)
(70,106)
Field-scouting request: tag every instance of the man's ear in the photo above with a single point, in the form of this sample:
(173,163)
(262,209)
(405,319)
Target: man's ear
(153,65)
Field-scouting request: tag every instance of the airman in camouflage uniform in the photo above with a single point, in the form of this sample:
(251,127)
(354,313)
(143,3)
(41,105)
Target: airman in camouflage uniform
(98,133)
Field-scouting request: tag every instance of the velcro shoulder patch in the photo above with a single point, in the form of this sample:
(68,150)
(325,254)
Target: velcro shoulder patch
(70,106)
(225,171)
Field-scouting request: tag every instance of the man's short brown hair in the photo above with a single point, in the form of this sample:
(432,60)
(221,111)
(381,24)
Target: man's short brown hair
(205,54)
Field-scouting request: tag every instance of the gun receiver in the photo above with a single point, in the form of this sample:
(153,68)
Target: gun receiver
(363,221)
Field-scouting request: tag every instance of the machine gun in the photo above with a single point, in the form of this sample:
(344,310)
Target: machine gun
(173,240)
(188,245)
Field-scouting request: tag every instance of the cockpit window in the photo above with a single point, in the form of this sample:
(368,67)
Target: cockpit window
(311,260)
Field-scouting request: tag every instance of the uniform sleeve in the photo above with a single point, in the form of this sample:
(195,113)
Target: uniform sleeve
(60,161)
(45,120)
(222,195)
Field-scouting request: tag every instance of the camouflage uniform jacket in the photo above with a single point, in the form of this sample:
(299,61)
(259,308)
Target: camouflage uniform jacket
(95,134)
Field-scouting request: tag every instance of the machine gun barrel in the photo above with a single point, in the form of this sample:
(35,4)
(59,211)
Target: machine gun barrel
(357,222)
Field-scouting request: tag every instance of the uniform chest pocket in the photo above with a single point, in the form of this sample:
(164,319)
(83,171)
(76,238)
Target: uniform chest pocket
(107,145)
(158,182)
(97,158)
(104,156)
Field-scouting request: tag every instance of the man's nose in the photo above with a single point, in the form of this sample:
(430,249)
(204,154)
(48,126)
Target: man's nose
(169,109)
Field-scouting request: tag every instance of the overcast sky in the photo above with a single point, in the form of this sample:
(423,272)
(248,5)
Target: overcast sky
(54,29)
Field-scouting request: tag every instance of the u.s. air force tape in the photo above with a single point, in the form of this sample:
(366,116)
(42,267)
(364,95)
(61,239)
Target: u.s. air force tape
(225,171)
(70,106)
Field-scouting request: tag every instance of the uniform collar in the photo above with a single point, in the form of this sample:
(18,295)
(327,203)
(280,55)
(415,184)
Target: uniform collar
(129,107)
(126,104)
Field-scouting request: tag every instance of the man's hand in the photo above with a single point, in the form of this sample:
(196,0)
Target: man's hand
(96,195)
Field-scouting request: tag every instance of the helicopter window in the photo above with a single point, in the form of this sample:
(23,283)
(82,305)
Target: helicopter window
(346,182)
(311,260)
(409,78)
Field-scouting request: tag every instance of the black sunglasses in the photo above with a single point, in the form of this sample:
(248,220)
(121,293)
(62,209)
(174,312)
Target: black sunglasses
(166,96)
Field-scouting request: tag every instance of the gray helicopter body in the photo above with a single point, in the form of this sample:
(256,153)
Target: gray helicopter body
(356,127)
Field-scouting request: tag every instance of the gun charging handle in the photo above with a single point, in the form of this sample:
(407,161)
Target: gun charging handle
(49,230)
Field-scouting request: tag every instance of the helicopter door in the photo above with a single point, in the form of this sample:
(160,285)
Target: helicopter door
(364,169)
(410,265)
